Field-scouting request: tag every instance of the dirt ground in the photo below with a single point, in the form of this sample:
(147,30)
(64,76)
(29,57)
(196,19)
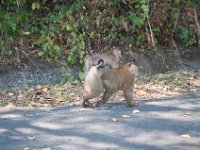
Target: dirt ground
(150,86)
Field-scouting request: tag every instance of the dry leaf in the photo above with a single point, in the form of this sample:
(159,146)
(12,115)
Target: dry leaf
(187,114)
(44,89)
(135,111)
(27,148)
(34,104)
(10,94)
(38,87)
(147,87)
(10,105)
(114,120)
(186,136)
(30,106)
(47,148)
(126,116)
(31,137)
(21,96)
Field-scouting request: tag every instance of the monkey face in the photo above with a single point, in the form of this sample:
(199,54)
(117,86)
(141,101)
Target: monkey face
(117,53)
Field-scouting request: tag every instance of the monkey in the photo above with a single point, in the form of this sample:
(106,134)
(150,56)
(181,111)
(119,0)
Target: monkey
(108,81)
(111,59)
(93,85)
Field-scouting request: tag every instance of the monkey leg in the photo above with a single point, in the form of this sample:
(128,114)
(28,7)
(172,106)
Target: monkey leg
(129,97)
(85,102)
(86,97)
(106,96)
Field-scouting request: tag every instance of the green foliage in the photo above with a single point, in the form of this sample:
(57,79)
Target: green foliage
(113,2)
(76,45)
(50,50)
(35,5)
(7,52)
(186,35)
(59,28)
(67,76)
(75,17)
(14,3)
(76,37)
(137,21)
(11,21)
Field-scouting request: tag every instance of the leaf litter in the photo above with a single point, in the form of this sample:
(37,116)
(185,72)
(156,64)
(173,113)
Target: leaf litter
(154,86)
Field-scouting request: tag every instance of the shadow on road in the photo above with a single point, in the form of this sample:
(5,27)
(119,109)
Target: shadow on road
(158,125)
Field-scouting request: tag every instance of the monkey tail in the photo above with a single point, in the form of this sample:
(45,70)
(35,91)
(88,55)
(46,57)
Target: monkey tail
(100,63)
(89,52)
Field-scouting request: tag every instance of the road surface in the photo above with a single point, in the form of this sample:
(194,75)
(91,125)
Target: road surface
(165,124)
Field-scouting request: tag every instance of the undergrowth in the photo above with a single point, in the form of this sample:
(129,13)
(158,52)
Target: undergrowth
(53,30)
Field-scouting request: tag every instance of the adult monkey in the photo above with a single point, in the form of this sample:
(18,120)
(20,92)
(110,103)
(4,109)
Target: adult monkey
(100,79)
(110,59)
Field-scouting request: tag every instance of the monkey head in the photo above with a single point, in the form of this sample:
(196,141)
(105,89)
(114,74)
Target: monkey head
(117,53)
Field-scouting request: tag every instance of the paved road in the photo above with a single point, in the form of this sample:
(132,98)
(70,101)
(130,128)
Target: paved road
(158,126)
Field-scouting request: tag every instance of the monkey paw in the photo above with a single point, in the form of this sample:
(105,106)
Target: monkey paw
(88,105)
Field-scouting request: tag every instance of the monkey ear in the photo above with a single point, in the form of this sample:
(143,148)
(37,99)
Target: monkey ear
(133,62)
(128,64)
(92,51)
(117,52)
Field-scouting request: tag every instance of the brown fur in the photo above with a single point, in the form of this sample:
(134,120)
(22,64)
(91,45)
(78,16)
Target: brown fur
(109,81)
(110,59)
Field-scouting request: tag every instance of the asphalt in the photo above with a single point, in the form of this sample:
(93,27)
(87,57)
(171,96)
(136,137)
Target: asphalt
(164,124)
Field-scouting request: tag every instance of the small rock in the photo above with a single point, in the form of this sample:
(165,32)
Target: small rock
(135,111)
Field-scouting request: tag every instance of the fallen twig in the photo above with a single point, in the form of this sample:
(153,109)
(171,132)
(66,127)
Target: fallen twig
(151,33)
(34,64)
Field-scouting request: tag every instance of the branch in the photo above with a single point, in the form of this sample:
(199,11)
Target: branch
(35,64)
(173,41)
(152,39)
(1,33)
(196,21)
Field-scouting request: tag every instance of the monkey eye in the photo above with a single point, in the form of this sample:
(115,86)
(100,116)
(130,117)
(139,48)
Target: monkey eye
(133,60)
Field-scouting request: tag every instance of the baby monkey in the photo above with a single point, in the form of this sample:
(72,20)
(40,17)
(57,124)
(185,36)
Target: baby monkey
(111,58)
(101,79)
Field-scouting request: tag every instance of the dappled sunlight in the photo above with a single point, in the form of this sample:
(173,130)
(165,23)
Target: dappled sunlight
(88,145)
(47,125)
(51,138)
(160,139)
(103,145)
(3,130)
(109,128)
(184,105)
(154,138)
(188,106)
(25,130)
(10,116)
(175,115)
(159,124)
